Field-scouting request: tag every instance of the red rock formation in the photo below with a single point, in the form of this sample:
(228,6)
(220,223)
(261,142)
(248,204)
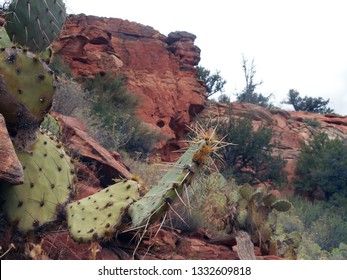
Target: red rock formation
(159,69)
(10,168)
(100,161)
(291,128)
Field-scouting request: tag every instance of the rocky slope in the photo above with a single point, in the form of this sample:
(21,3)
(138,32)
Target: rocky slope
(159,69)
(291,128)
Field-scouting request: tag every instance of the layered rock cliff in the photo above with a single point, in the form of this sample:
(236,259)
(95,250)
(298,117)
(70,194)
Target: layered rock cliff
(291,128)
(159,69)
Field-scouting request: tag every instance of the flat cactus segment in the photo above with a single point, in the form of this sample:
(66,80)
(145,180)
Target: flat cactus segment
(48,185)
(100,215)
(35,23)
(155,202)
(281,205)
(27,87)
(5,41)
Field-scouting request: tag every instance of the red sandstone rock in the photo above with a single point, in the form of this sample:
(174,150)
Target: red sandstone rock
(291,128)
(159,69)
(90,153)
(10,168)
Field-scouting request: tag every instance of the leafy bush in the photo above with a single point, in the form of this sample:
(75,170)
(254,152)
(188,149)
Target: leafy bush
(250,159)
(322,225)
(115,106)
(213,82)
(322,166)
(108,110)
(312,122)
(309,104)
(249,93)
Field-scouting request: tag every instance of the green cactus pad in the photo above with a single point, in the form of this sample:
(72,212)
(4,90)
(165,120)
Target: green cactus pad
(269,199)
(51,124)
(100,215)
(155,202)
(48,185)
(281,205)
(35,23)
(26,88)
(247,191)
(5,41)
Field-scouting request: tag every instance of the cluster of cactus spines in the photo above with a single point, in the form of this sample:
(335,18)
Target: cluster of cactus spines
(158,200)
(101,215)
(35,23)
(48,185)
(27,87)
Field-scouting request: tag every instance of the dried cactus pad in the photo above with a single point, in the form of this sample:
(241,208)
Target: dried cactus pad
(47,187)
(35,23)
(26,88)
(100,215)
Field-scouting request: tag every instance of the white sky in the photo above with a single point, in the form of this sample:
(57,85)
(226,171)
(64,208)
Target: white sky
(295,44)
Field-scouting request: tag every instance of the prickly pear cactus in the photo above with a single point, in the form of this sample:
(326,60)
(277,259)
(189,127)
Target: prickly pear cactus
(4,39)
(99,216)
(35,23)
(48,185)
(158,199)
(27,87)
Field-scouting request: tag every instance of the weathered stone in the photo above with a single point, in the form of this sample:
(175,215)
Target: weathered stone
(10,168)
(161,74)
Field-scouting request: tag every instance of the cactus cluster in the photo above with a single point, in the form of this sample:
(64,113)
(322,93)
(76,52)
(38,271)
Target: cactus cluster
(48,185)
(254,213)
(35,23)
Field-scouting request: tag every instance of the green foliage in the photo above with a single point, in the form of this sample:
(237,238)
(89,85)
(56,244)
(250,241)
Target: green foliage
(35,24)
(214,82)
(313,122)
(60,67)
(322,166)
(249,94)
(309,104)
(250,159)
(115,107)
(223,98)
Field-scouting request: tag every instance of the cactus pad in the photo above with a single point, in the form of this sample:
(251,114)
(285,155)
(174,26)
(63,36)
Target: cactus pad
(157,200)
(35,23)
(100,215)
(48,185)
(26,88)
(281,205)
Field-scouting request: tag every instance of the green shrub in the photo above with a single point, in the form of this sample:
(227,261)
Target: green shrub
(115,107)
(322,225)
(250,159)
(312,122)
(322,165)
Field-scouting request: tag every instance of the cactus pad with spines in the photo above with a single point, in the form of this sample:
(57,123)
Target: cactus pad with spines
(157,200)
(35,23)
(100,215)
(27,87)
(48,185)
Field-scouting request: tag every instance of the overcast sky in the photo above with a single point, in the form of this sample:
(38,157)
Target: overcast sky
(295,44)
